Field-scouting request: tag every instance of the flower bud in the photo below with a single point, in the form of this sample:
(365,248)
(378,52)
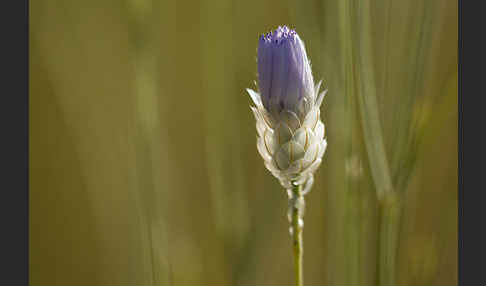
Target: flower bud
(291,135)
(284,72)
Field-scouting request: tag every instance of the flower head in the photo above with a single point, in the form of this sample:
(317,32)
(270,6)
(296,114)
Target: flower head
(291,135)
(284,72)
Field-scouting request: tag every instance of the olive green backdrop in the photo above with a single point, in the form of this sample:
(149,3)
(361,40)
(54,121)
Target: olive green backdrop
(143,163)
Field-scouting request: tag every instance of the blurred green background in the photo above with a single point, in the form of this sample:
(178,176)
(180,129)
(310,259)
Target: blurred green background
(143,163)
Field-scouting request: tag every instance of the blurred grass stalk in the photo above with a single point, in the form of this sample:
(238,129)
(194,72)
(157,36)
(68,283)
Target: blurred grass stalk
(224,162)
(359,42)
(388,221)
(149,164)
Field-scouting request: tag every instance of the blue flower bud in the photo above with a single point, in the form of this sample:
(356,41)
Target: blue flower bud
(284,72)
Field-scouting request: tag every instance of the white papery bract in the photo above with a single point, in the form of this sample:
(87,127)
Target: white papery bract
(291,146)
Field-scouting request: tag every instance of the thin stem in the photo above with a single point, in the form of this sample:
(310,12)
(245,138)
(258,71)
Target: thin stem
(296,213)
(389,224)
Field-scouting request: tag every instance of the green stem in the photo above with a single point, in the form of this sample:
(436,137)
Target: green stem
(297,225)
(389,227)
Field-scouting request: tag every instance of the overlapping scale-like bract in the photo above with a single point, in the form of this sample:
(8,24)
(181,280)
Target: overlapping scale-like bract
(291,146)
